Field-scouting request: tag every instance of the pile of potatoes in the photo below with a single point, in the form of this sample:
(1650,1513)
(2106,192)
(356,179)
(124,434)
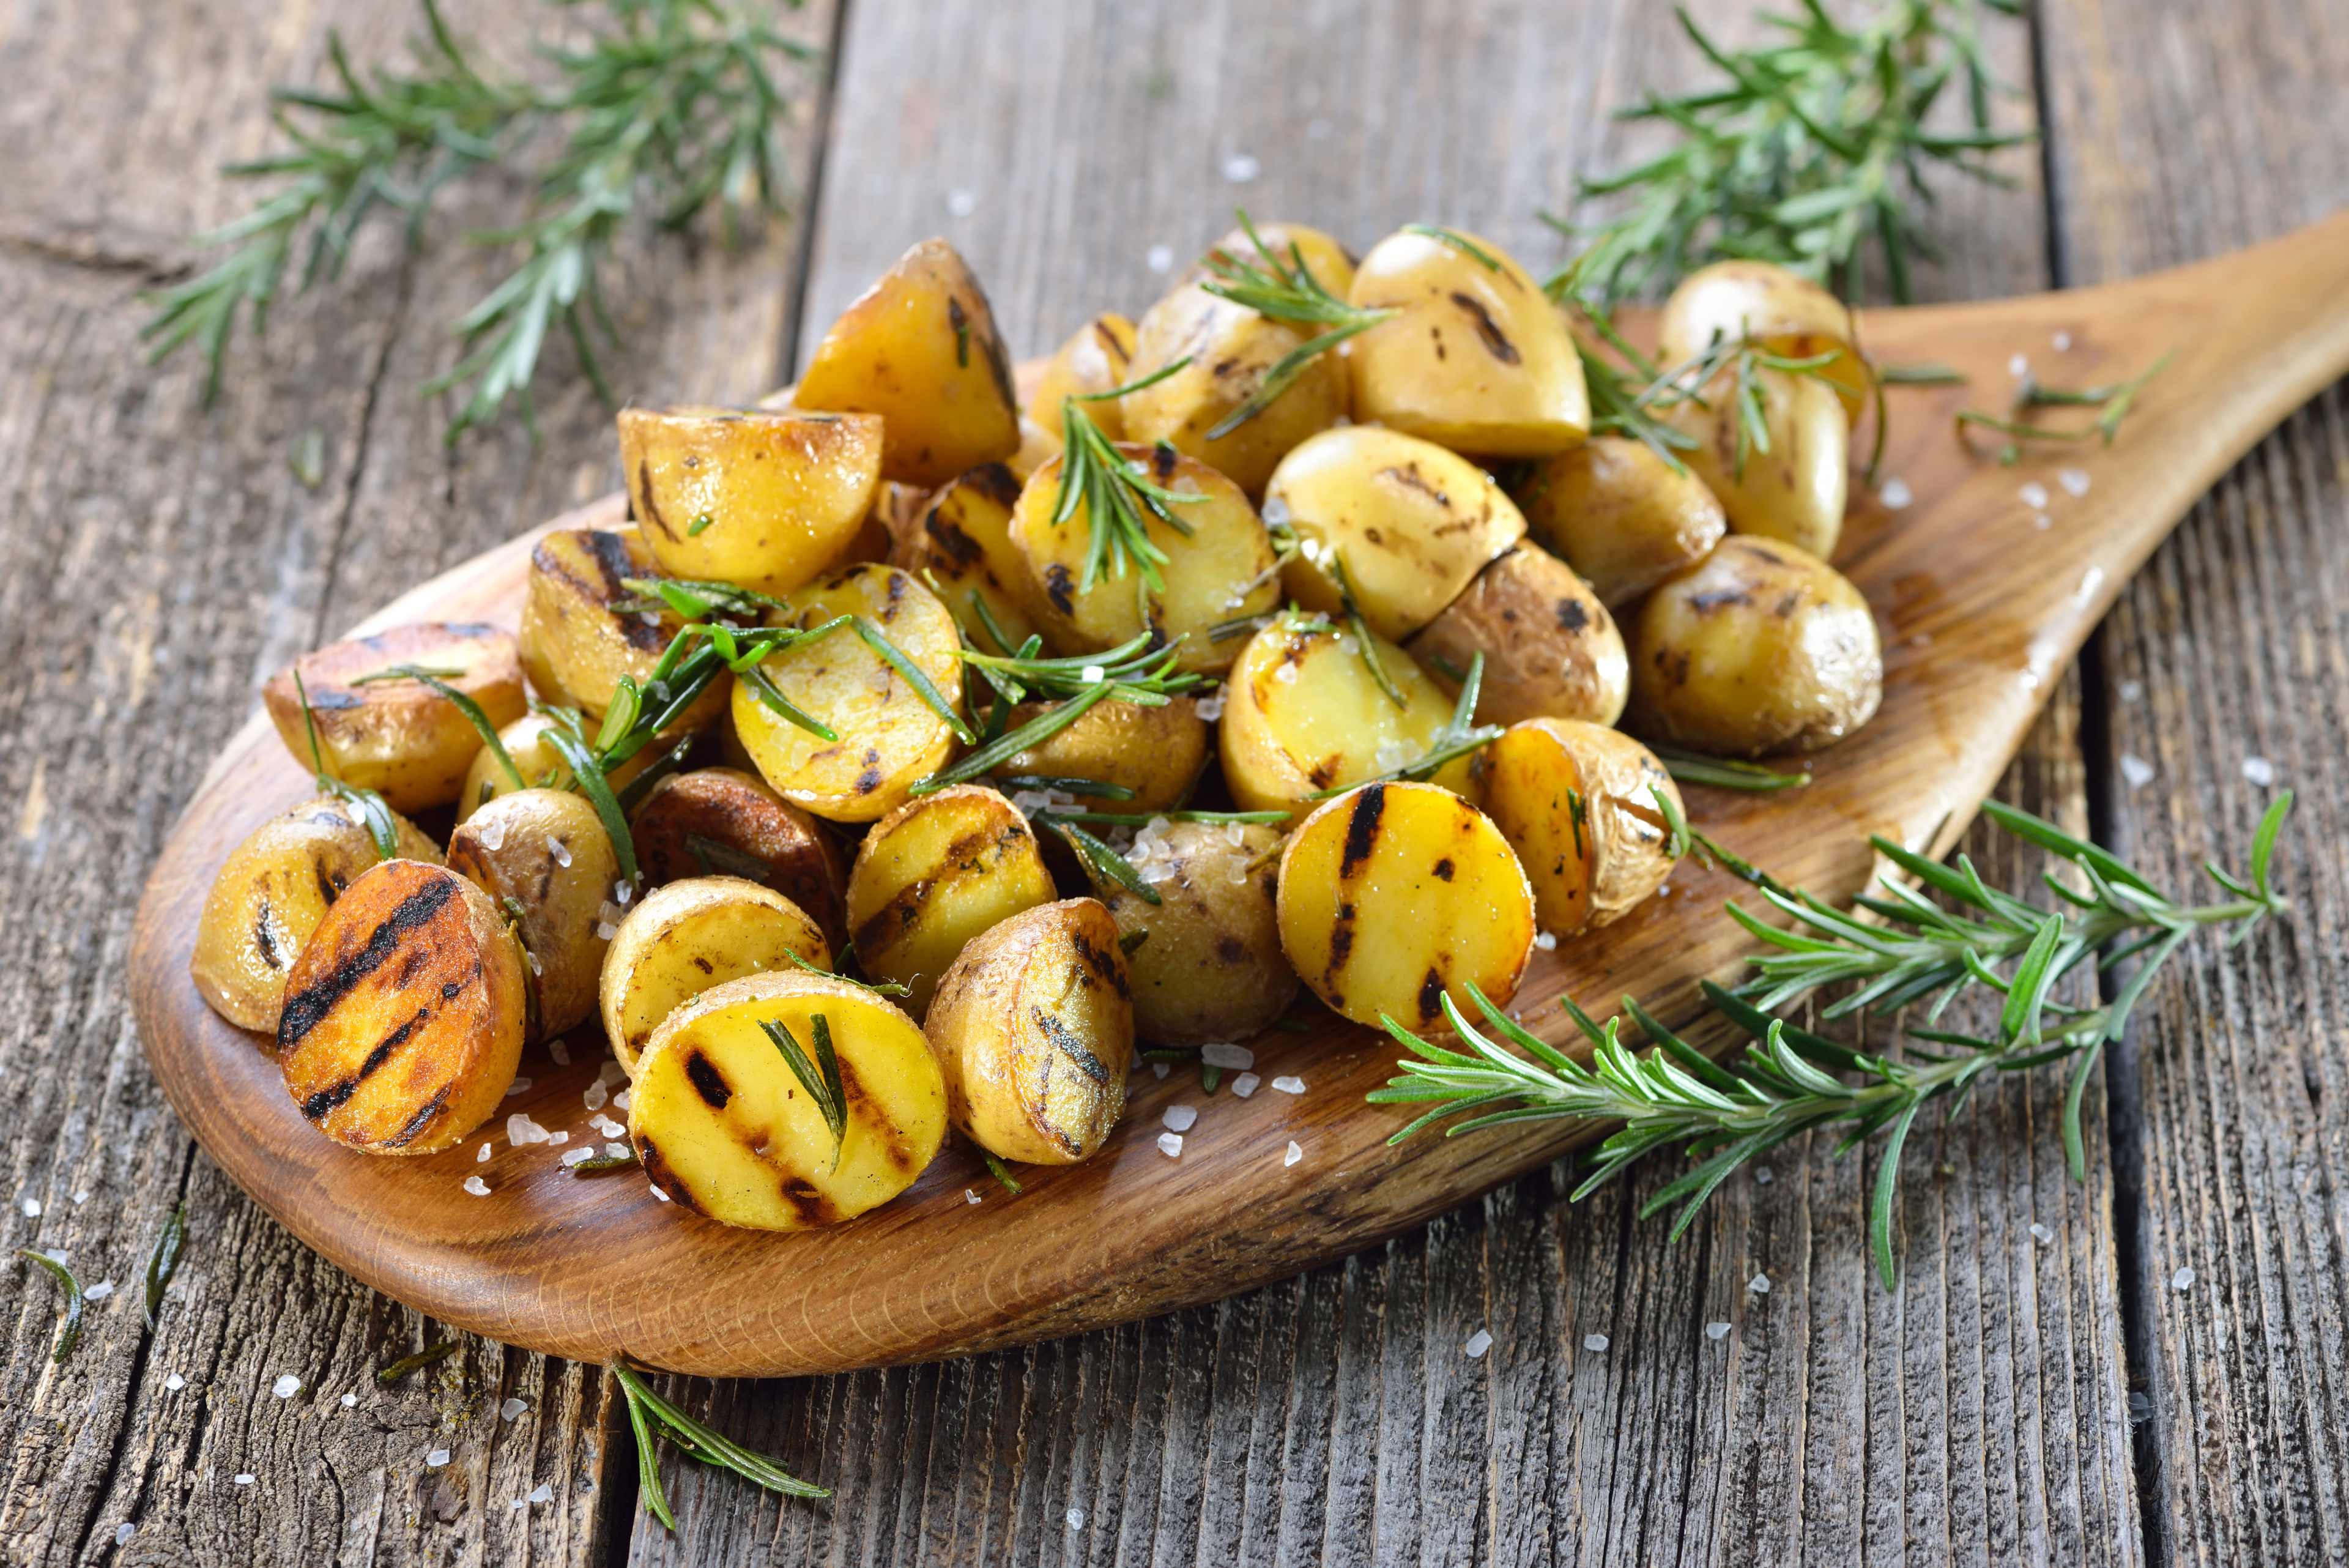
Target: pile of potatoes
(1343,558)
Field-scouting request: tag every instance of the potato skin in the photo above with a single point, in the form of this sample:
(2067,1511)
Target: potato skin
(1759,647)
(547,851)
(920,348)
(1156,753)
(1785,312)
(1550,648)
(932,875)
(786,492)
(1620,516)
(1394,896)
(269,897)
(538,763)
(1232,349)
(1574,801)
(1796,491)
(736,811)
(689,936)
(575,645)
(1302,714)
(960,544)
(1097,356)
(1034,1024)
(404,1017)
(402,739)
(1211,968)
(1412,524)
(1330,263)
(1478,360)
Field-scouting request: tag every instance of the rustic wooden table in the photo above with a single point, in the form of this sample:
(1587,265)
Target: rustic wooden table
(2045,1387)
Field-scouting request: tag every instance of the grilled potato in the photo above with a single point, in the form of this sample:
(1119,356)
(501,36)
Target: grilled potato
(541,766)
(961,547)
(1550,648)
(1330,263)
(270,896)
(1785,313)
(1409,523)
(919,348)
(1034,1025)
(1209,965)
(1796,491)
(1039,444)
(1620,516)
(1476,358)
(1395,895)
(544,855)
(400,738)
(726,1127)
(1573,800)
(764,498)
(1759,647)
(934,874)
(889,737)
(577,642)
(1225,568)
(1156,753)
(404,1015)
(1231,350)
(1302,713)
(722,821)
(1098,356)
(692,936)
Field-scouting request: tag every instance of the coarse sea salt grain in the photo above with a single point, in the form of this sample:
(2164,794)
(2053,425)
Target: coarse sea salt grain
(597,1096)
(1220,1055)
(1294,1154)
(1547,942)
(968,1196)
(2136,769)
(1594,1342)
(1286,674)
(2259,771)
(1159,258)
(1076,1519)
(1159,1068)
(1478,1344)
(560,1049)
(1171,1145)
(2035,495)
(2042,522)
(2075,480)
(608,1127)
(521,1129)
(580,1156)
(558,1138)
(1716,1330)
(559,850)
(1764,1174)
(2132,691)
(610,1073)
(511,1408)
(491,835)
(2018,367)
(2062,342)
(1289,1083)
(286,1386)
(56,1255)
(961,203)
(436,1458)
(2183,1279)
(122,1535)
(244,1481)
(477,1187)
(659,1194)
(1240,168)
(1094,674)
(175,1383)
(615,1151)
(32,1209)
(1211,708)
(2042,1233)
(80,1199)
(1759,1284)
(1178,1119)
(1896,494)
(350,1401)
(543,1493)
(1244,1085)
(606,930)
(620,1100)
(100,1291)
(483,1157)
(519,1086)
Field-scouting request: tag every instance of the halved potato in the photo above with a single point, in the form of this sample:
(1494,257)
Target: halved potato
(544,855)
(1785,313)
(1156,753)
(1620,516)
(404,1015)
(577,642)
(1796,490)
(1034,1027)
(1573,800)
(269,899)
(1097,356)
(919,348)
(1477,357)
(890,739)
(1302,714)
(763,498)
(1330,263)
(934,874)
(541,766)
(1409,523)
(1230,349)
(1397,894)
(961,546)
(1550,648)
(1039,444)
(399,738)
(1223,569)
(693,935)
(726,1127)
(724,822)
(1209,965)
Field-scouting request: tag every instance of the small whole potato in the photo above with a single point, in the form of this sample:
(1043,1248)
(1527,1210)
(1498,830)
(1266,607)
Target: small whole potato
(1577,804)
(932,875)
(269,897)
(540,765)
(399,738)
(765,499)
(1230,349)
(1759,647)
(1097,356)
(1550,648)
(689,936)
(1621,515)
(1034,1025)
(1783,312)
(1796,490)
(724,821)
(547,852)
(1209,965)
(1156,753)
(960,544)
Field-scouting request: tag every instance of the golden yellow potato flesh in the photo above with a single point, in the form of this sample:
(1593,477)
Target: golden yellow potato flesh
(1229,349)
(579,634)
(1209,966)
(932,875)
(399,738)
(1796,491)
(694,936)
(1097,356)
(762,499)
(1781,311)
(1156,753)
(1304,714)
(543,855)
(1577,802)
(1550,648)
(1621,515)
(1396,895)
(960,544)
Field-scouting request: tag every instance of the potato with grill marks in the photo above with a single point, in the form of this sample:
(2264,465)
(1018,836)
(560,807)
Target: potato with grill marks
(1576,802)
(1209,965)
(1794,490)
(932,875)
(1034,1025)
(400,738)
(1551,651)
(1227,352)
(544,855)
(724,822)
(269,899)
(726,1127)
(961,546)
(767,499)
(578,640)
(1396,895)
(404,1017)
(690,937)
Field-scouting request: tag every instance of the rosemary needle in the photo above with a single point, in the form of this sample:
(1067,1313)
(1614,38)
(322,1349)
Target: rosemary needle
(386,1376)
(164,1260)
(69,1334)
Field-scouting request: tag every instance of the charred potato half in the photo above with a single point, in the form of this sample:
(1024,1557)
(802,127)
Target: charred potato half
(1304,714)
(1621,515)
(544,855)
(934,874)
(766,499)
(1576,802)
(690,937)
(1156,753)
(399,738)
(1794,490)
(960,545)
(1208,964)
(724,822)
(578,640)
(1550,648)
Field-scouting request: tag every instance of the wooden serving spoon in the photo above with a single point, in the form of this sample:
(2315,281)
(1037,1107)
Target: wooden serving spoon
(1985,585)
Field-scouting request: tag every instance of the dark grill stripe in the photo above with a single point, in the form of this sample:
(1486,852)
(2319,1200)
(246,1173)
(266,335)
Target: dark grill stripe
(1362,829)
(1065,1041)
(325,1100)
(308,1009)
(422,1118)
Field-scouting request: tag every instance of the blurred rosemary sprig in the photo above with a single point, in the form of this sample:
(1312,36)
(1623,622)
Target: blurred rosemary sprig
(669,108)
(1284,291)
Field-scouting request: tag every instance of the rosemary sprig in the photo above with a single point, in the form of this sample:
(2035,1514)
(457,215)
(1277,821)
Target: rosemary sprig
(877,987)
(998,1169)
(381,826)
(386,1376)
(2113,403)
(463,704)
(1284,292)
(1352,610)
(1458,738)
(1133,671)
(819,1077)
(605,1164)
(164,1260)
(69,1334)
(649,1414)
(1724,773)
(1102,863)
(672,108)
(1116,491)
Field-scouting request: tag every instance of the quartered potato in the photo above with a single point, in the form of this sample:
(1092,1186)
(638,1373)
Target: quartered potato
(577,642)
(270,896)
(890,739)
(1477,357)
(765,499)
(541,766)
(1209,966)
(1796,491)
(1330,263)
(1409,523)
(1759,647)
(1222,570)
(724,822)
(1396,894)
(934,874)
(1231,349)
(399,738)
(726,1127)
(1620,516)
(1302,714)
(919,348)
(404,1017)
(1098,356)
(1034,1025)
(544,855)
(690,937)
(1785,313)
(960,544)
(1550,648)
(1573,800)
(1156,753)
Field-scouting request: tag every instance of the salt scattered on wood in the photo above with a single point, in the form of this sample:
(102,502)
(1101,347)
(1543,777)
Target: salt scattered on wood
(1244,1085)
(968,1196)
(659,1194)
(477,1187)
(2075,480)
(436,1458)
(2135,770)
(32,1209)
(521,1129)
(2042,1233)
(558,1138)
(1896,494)
(1716,1330)
(511,1408)
(1159,1068)
(80,1199)
(620,1101)
(2183,1279)
(2018,367)
(286,1386)
(244,1481)
(1171,1145)
(1076,1519)
(1294,1154)
(1227,1055)
(961,203)
(543,1493)
(519,1086)
(615,1151)
(597,1096)
(2259,771)
(560,1049)
(350,1401)
(581,1155)
(483,1157)
(174,1383)
(1241,168)
(1478,1344)
(610,1072)
(100,1291)
(2062,342)
(1289,1083)
(1594,1342)
(2035,495)
(123,1533)
(1179,1118)
(1546,941)
(1759,1284)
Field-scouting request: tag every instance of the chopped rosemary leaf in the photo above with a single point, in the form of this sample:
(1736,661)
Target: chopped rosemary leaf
(1918,375)
(650,1416)
(1288,293)
(878,988)
(1102,863)
(1131,940)
(1361,629)
(587,774)
(1460,243)
(1004,747)
(997,1169)
(604,1164)
(164,1260)
(69,1334)
(924,687)
(1098,789)
(386,1376)
(718,857)
(1457,739)
(1211,1077)
(1116,491)
(819,1077)
(693,529)
(2114,401)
